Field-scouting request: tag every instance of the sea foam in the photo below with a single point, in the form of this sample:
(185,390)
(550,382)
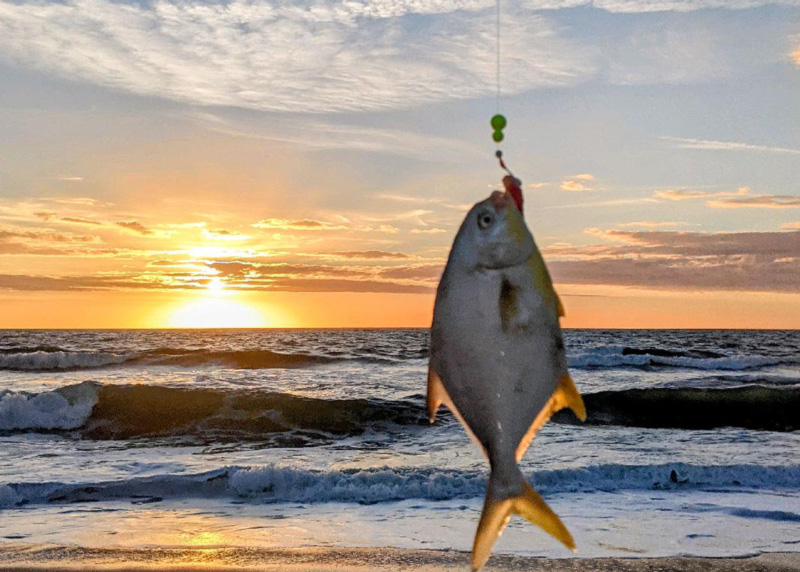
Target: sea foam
(378,485)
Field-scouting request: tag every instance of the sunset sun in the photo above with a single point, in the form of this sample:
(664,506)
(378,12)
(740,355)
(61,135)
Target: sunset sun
(216,309)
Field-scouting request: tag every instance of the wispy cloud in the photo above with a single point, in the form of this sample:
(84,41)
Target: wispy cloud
(791,225)
(686,194)
(795,55)
(368,254)
(668,260)
(758,202)
(709,145)
(321,56)
(651,224)
(302,224)
(136,227)
(574,186)
(79,220)
(69,179)
(318,134)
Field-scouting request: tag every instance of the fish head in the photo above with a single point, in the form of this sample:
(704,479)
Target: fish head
(493,235)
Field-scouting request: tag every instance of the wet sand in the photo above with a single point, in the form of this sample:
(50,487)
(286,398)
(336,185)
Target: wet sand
(18,558)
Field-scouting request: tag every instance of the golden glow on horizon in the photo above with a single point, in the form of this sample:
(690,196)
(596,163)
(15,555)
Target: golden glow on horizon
(216,309)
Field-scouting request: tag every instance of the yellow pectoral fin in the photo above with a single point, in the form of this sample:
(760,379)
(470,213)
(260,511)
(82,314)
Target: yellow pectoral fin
(543,283)
(438,396)
(565,395)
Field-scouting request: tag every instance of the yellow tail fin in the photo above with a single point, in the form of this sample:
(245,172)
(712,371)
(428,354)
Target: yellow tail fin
(497,513)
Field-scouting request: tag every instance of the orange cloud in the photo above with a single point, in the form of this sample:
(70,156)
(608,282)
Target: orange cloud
(671,260)
(651,224)
(795,55)
(574,186)
(305,224)
(758,202)
(791,226)
(79,220)
(683,195)
(135,227)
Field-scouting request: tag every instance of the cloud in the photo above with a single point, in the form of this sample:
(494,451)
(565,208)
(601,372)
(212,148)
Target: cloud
(758,202)
(684,195)
(318,56)
(583,177)
(135,226)
(422,201)
(575,186)
(429,272)
(79,201)
(224,234)
(639,6)
(428,230)
(795,55)
(44,215)
(337,285)
(651,224)
(368,254)
(707,145)
(668,260)
(69,179)
(41,241)
(317,134)
(739,199)
(304,224)
(791,225)
(79,220)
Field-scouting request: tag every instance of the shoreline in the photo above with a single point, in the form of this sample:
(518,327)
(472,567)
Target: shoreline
(25,557)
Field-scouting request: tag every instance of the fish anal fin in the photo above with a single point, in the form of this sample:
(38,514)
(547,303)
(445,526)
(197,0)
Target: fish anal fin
(497,512)
(565,395)
(438,396)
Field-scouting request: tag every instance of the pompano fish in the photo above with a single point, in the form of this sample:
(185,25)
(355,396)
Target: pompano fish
(497,358)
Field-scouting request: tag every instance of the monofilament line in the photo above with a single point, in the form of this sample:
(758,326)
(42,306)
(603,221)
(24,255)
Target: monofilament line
(497,67)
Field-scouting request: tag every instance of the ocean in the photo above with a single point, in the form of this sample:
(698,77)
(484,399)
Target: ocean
(295,438)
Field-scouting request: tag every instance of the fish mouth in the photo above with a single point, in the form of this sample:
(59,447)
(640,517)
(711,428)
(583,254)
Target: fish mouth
(500,200)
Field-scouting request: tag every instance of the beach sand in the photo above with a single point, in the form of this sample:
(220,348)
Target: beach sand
(18,558)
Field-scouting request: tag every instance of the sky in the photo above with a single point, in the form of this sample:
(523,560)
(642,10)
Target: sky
(183,163)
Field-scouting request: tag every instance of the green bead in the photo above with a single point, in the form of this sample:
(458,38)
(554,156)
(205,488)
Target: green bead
(497,136)
(498,122)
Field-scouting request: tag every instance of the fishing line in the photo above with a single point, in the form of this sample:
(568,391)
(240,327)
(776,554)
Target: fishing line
(498,121)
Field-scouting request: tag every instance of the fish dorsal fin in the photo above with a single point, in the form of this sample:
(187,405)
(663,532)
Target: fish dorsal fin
(565,395)
(438,396)
(543,283)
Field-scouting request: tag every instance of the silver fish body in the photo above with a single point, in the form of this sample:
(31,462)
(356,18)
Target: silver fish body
(497,358)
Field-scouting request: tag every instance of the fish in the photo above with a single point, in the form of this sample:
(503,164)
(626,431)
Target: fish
(497,357)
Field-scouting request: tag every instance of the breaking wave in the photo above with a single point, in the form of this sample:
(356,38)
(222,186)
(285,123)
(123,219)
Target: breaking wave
(98,411)
(368,486)
(627,357)
(53,359)
(94,411)
(750,407)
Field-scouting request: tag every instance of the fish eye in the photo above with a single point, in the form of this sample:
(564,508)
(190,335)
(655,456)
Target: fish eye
(485,220)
